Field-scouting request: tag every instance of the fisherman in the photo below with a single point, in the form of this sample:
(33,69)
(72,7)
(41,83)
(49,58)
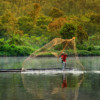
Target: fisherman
(63,57)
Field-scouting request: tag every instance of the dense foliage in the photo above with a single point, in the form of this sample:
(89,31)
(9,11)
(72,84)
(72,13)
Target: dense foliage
(26,25)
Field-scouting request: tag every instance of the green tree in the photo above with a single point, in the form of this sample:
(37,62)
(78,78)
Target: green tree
(10,22)
(56,13)
(81,34)
(43,20)
(95,18)
(3,30)
(25,24)
(68,31)
(35,12)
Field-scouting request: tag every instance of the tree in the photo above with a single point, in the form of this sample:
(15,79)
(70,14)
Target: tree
(81,34)
(35,12)
(43,20)
(57,24)
(56,13)
(25,24)
(10,22)
(68,31)
(95,18)
(3,30)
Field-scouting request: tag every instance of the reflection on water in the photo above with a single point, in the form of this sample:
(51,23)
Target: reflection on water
(91,63)
(16,86)
(64,81)
(55,87)
(11,62)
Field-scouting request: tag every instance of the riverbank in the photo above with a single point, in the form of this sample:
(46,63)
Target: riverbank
(27,52)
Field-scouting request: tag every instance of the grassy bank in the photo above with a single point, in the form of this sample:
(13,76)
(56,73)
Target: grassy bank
(89,53)
(7,49)
(26,51)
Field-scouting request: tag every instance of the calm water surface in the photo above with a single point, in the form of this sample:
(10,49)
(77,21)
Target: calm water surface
(61,86)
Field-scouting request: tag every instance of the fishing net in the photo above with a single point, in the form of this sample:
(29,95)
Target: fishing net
(49,56)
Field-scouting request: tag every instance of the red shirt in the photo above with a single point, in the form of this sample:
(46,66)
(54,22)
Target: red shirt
(64,56)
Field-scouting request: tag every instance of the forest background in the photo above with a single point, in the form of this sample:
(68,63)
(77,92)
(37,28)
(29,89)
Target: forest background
(27,25)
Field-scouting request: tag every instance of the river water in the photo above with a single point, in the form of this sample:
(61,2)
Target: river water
(69,85)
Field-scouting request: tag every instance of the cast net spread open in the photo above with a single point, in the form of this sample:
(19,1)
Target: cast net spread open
(43,57)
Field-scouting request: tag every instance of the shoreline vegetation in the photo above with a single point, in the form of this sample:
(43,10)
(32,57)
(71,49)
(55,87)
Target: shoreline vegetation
(70,54)
(29,25)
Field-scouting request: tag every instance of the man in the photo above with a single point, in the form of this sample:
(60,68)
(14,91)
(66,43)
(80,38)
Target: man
(63,57)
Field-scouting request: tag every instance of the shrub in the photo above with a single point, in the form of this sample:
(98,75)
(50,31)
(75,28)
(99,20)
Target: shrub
(13,50)
(81,47)
(95,52)
(2,42)
(90,48)
(2,53)
(84,53)
(68,31)
(97,47)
